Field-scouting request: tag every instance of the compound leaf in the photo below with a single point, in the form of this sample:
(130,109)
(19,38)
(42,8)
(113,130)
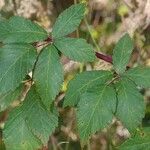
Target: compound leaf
(121,53)
(48,75)
(131,107)
(68,20)
(140,75)
(16,61)
(29,126)
(82,82)
(95,110)
(18,29)
(76,49)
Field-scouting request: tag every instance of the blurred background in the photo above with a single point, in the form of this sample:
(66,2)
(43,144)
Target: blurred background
(104,23)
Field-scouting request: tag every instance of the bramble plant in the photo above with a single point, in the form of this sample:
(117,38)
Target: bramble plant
(99,95)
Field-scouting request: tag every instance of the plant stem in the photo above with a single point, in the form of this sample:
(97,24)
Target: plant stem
(88,27)
(46,41)
(106,58)
(35,63)
(36,44)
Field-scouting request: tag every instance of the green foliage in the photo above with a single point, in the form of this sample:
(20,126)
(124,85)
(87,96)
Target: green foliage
(141,141)
(31,123)
(99,95)
(82,82)
(121,53)
(18,29)
(68,21)
(7,98)
(140,75)
(76,49)
(16,61)
(95,110)
(48,75)
(29,126)
(128,111)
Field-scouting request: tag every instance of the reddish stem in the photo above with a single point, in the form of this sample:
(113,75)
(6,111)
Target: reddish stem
(49,39)
(106,58)
(46,41)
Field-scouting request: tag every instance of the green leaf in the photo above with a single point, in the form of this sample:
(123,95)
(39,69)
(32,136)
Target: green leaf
(76,49)
(17,135)
(139,142)
(30,125)
(7,98)
(16,61)
(18,29)
(140,75)
(95,110)
(121,53)
(131,107)
(48,75)
(68,20)
(82,82)
(43,122)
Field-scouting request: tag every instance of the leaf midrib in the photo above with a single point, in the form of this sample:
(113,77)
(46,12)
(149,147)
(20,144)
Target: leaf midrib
(14,32)
(62,27)
(48,70)
(85,86)
(95,108)
(123,46)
